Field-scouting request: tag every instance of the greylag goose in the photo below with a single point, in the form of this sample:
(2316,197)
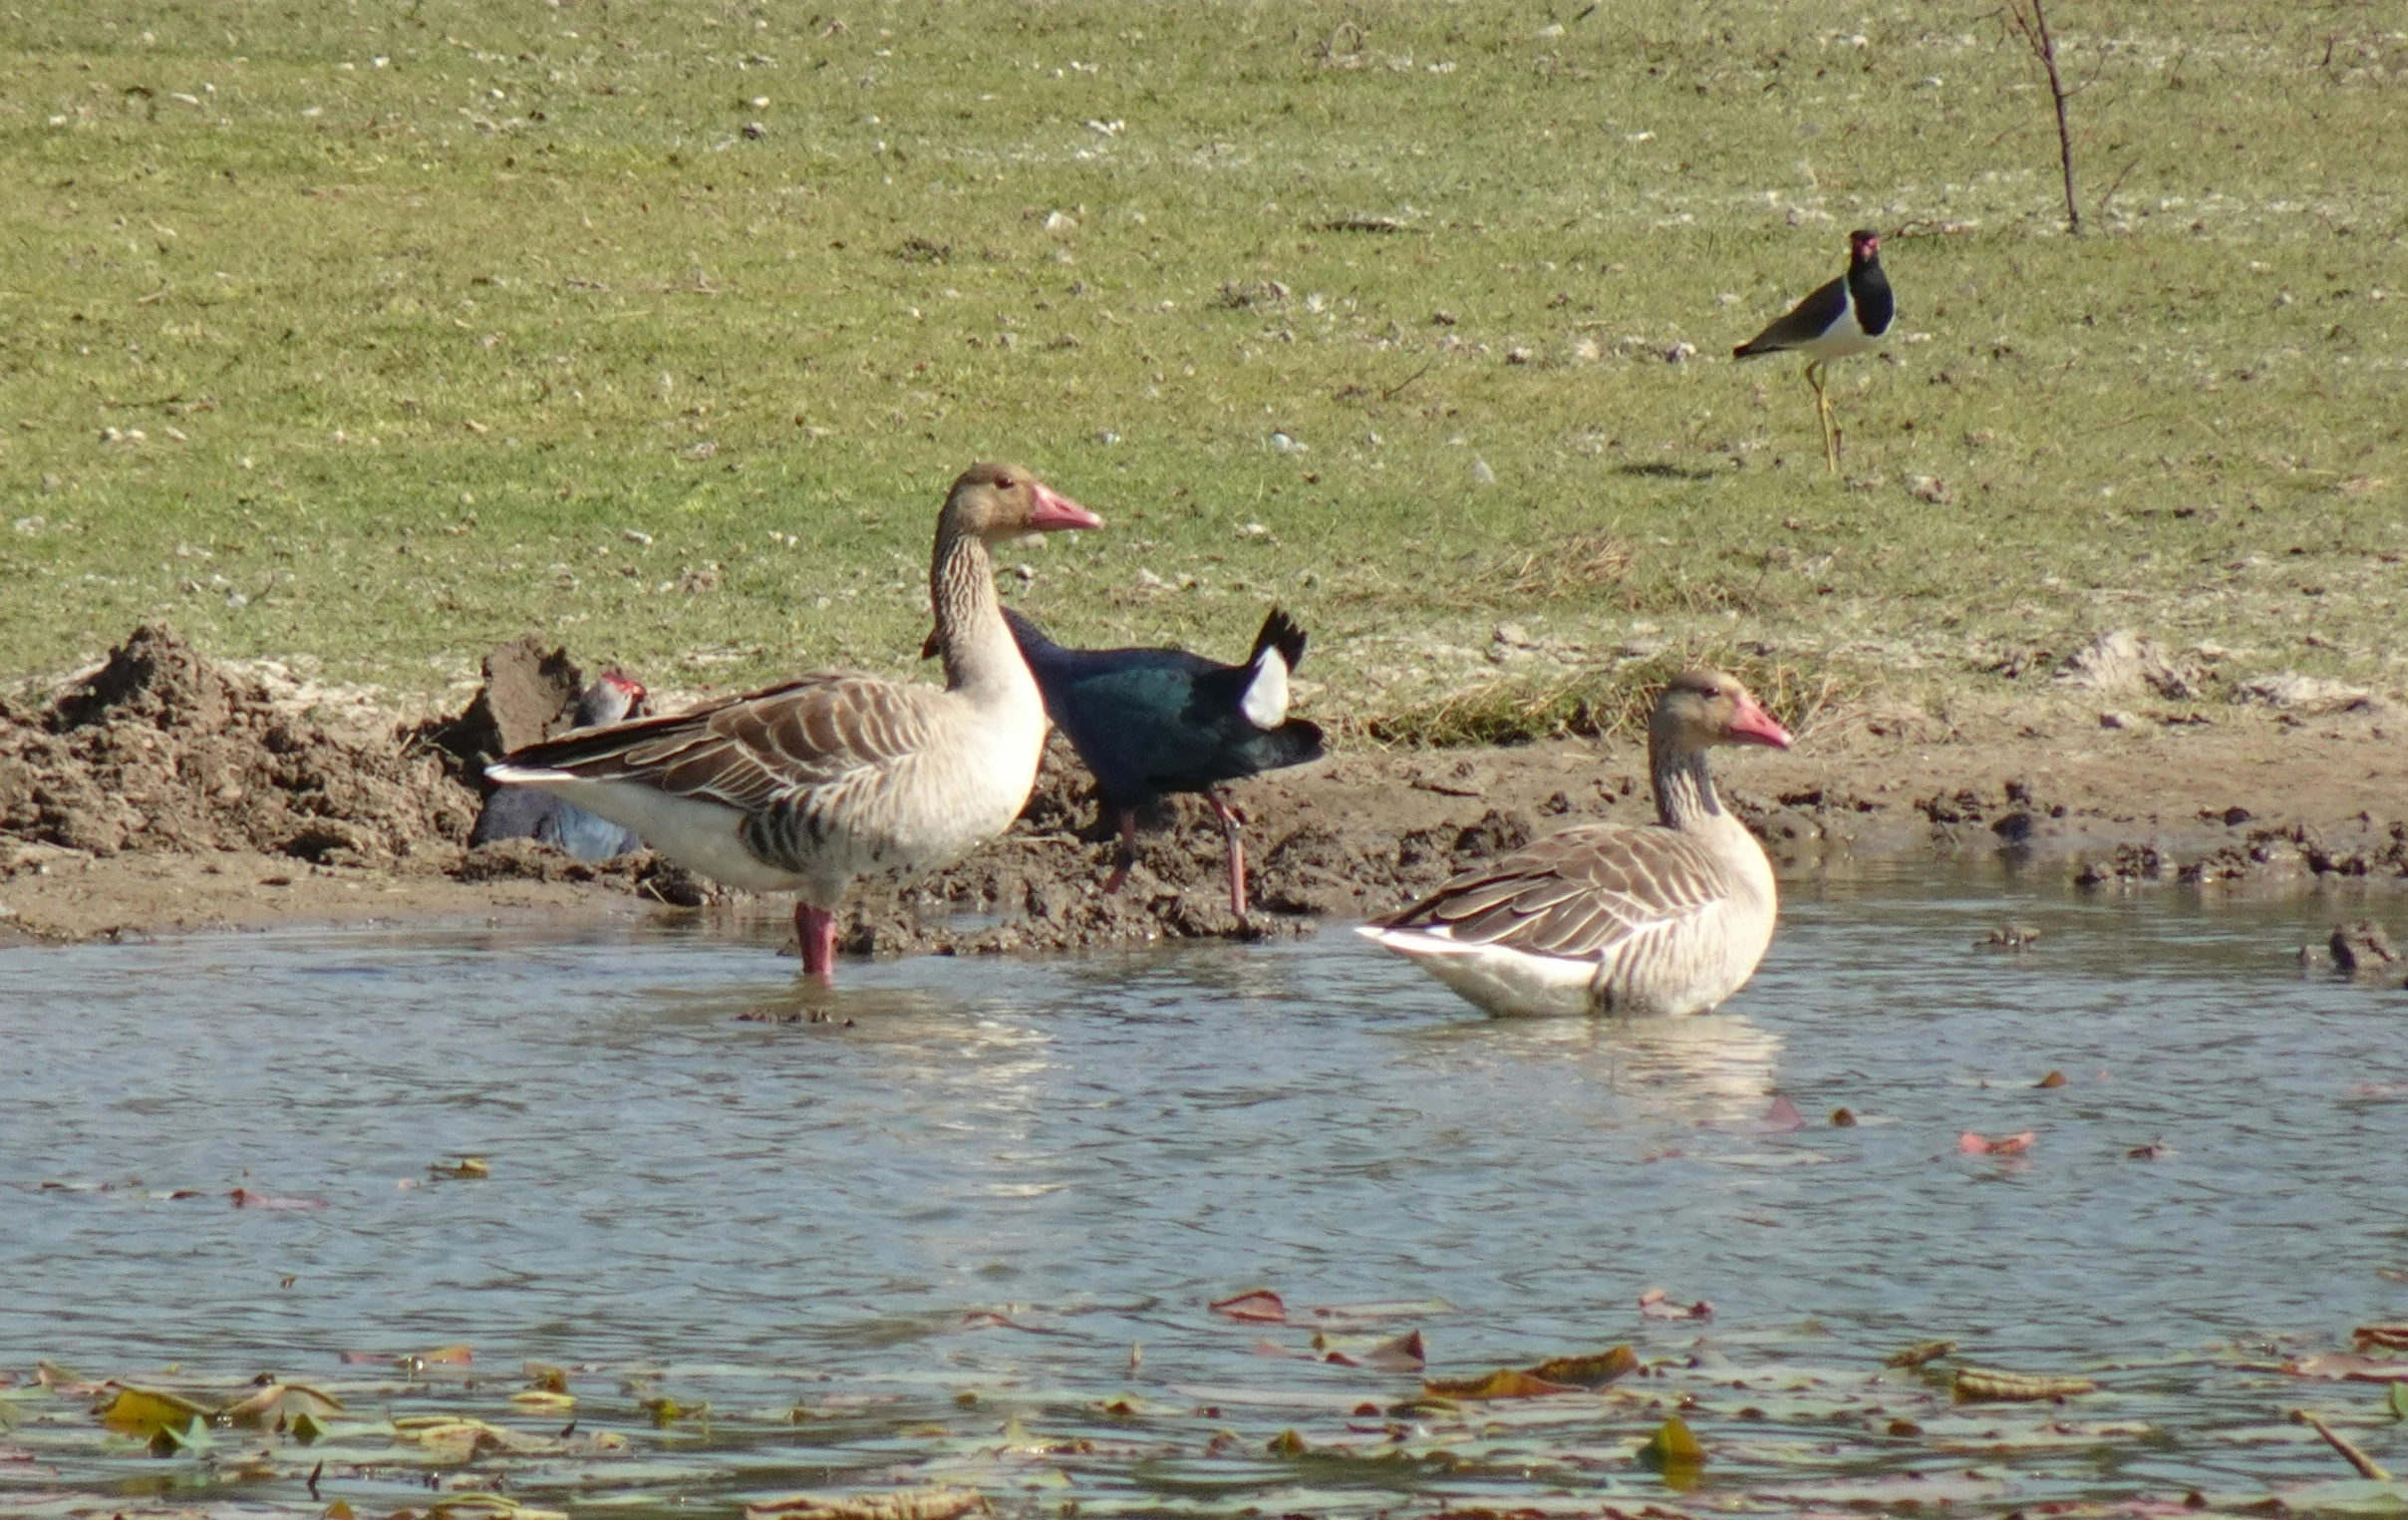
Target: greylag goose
(1154,721)
(1849,315)
(831,777)
(1661,920)
(520,812)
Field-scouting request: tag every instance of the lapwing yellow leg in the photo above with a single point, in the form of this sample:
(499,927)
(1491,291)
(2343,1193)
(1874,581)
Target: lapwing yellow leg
(1822,408)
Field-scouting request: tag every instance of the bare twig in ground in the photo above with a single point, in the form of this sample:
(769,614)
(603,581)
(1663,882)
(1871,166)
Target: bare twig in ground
(1396,390)
(2029,21)
(2117,184)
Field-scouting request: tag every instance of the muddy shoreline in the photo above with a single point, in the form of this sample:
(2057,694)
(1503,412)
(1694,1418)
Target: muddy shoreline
(167,795)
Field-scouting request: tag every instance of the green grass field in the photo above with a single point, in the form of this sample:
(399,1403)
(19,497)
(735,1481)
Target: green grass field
(377,332)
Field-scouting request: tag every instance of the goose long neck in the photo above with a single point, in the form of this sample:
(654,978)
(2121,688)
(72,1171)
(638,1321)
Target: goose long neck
(1685,789)
(977,647)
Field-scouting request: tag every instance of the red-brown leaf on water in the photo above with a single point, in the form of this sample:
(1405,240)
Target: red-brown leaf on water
(2351,1365)
(1972,1144)
(1260,1306)
(1655,1304)
(360,1358)
(1273,1349)
(244,1198)
(1781,1119)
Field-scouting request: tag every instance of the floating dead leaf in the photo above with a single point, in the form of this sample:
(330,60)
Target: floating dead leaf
(1504,1382)
(459,1436)
(1843,1118)
(544,1400)
(484,1506)
(1260,1306)
(1273,1349)
(1655,1304)
(2155,1150)
(907,1504)
(2054,1080)
(273,1403)
(244,1198)
(1399,1354)
(1382,1309)
(1918,1354)
(1781,1119)
(2367,1466)
(148,1411)
(1975,1382)
(466,1169)
(2397,1400)
(1590,1372)
(442,1356)
(339,1510)
(2393,1336)
(1674,1452)
(546,1378)
(1286,1443)
(2349,1364)
(1972,1144)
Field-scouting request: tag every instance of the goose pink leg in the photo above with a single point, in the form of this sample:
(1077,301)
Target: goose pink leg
(1237,852)
(815,932)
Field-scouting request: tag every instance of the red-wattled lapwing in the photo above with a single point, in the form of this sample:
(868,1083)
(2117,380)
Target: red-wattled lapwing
(1851,315)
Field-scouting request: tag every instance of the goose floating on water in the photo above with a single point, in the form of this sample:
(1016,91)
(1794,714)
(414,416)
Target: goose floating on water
(1154,721)
(1666,919)
(835,775)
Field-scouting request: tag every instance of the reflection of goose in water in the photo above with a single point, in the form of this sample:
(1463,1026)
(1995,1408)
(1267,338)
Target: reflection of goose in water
(1716,1067)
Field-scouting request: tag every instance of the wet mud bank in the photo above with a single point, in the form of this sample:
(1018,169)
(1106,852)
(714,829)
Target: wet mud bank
(164,792)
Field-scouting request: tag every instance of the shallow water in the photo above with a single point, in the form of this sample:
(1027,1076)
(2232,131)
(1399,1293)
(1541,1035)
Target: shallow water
(936,1224)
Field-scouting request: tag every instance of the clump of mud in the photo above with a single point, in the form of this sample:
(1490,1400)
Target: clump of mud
(162,749)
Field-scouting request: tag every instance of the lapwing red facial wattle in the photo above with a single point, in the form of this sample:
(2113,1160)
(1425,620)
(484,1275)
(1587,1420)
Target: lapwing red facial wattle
(1851,315)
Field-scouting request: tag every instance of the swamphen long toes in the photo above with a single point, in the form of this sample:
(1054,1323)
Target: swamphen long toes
(1149,722)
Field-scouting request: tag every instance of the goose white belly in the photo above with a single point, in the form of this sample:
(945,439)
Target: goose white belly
(921,813)
(1688,965)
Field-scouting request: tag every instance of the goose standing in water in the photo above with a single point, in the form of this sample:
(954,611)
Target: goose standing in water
(835,775)
(1666,919)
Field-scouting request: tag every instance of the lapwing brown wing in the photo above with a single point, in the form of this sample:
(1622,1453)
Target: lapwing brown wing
(1849,315)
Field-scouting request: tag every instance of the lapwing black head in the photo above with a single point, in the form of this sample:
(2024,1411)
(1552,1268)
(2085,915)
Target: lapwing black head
(1849,315)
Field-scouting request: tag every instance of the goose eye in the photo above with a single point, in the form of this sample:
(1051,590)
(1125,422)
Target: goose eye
(1003,482)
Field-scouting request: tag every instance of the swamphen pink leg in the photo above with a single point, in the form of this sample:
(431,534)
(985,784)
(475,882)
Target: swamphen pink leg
(815,932)
(1237,852)
(1129,852)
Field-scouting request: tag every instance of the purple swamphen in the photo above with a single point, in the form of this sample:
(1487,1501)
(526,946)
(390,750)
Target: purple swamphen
(1153,720)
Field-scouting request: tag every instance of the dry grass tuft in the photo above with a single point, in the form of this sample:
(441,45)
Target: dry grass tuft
(1603,703)
(1581,562)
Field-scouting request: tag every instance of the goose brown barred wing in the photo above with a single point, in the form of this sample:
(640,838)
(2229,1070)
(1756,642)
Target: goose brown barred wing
(755,752)
(1577,894)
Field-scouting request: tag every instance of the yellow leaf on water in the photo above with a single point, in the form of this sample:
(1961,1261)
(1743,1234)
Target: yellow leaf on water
(905,1504)
(466,1169)
(339,1510)
(148,1411)
(1674,1452)
(544,1375)
(1591,1372)
(543,1398)
(1504,1382)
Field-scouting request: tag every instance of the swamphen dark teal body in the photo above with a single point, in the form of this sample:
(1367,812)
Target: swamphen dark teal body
(1153,720)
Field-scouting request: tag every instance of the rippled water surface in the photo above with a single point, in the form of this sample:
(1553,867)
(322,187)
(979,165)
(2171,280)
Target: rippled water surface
(922,1240)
